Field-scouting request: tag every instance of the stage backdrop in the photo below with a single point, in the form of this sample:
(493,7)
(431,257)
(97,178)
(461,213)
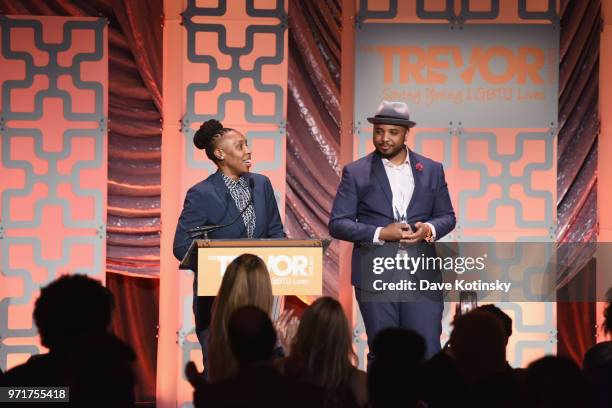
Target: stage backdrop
(227,62)
(481,80)
(53,118)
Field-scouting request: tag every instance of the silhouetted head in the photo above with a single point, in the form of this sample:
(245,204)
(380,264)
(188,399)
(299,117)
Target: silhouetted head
(226,147)
(71,307)
(478,344)
(505,320)
(596,357)
(554,381)
(399,345)
(251,335)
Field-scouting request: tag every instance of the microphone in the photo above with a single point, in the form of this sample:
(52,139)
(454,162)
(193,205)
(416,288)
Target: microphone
(206,229)
(252,188)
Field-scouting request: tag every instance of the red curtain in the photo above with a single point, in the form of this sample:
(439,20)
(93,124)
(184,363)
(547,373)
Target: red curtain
(576,320)
(136,321)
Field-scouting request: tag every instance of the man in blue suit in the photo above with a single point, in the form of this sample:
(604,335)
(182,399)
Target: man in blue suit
(220,199)
(391,195)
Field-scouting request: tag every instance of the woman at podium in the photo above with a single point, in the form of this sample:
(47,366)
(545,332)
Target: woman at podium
(231,203)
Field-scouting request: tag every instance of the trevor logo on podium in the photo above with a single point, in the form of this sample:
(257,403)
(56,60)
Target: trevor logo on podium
(293,270)
(278,265)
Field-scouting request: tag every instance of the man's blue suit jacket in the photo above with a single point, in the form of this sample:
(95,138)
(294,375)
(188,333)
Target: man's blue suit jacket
(209,203)
(364,202)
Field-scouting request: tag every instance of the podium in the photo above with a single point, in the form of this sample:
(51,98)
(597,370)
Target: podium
(295,265)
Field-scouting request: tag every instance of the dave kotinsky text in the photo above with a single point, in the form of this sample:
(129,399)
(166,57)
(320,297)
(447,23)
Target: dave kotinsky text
(456,266)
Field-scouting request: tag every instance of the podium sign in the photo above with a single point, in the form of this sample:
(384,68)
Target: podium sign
(293,270)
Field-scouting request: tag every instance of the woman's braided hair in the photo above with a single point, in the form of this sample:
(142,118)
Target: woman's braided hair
(206,136)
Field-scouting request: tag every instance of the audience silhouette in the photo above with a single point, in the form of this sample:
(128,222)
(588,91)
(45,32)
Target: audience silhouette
(73,316)
(597,362)
(504,319)
(554,381)
(473,370)
(478,345)
(597,369)
(395,375)
(257,383)
(478,348)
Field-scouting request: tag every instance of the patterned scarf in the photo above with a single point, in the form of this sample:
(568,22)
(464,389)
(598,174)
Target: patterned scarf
(241,193)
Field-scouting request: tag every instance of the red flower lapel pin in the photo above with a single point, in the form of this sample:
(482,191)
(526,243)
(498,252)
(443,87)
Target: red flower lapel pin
(418,167)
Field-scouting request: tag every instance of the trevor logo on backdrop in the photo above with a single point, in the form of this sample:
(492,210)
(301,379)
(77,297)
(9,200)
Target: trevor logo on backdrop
(431,65)
(481,75)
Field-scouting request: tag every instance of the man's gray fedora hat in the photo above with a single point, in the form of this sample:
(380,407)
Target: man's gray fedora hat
(392,113)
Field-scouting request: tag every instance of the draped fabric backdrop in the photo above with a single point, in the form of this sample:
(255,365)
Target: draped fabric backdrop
(134,149)
(313,124)
(577,160)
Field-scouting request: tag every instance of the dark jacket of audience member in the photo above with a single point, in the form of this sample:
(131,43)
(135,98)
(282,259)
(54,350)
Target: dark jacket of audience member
(258,383)
(440,373)
(395,375)
(100,367)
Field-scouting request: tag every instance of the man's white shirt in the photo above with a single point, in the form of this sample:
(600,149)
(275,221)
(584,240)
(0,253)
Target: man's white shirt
(401,181)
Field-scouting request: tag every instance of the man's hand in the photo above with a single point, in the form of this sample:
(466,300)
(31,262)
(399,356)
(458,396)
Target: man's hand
(420,234)
(398,231)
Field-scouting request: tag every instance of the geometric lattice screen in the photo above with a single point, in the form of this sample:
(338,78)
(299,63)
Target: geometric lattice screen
(53,118)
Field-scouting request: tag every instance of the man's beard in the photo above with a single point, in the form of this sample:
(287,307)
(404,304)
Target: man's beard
(391,154)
